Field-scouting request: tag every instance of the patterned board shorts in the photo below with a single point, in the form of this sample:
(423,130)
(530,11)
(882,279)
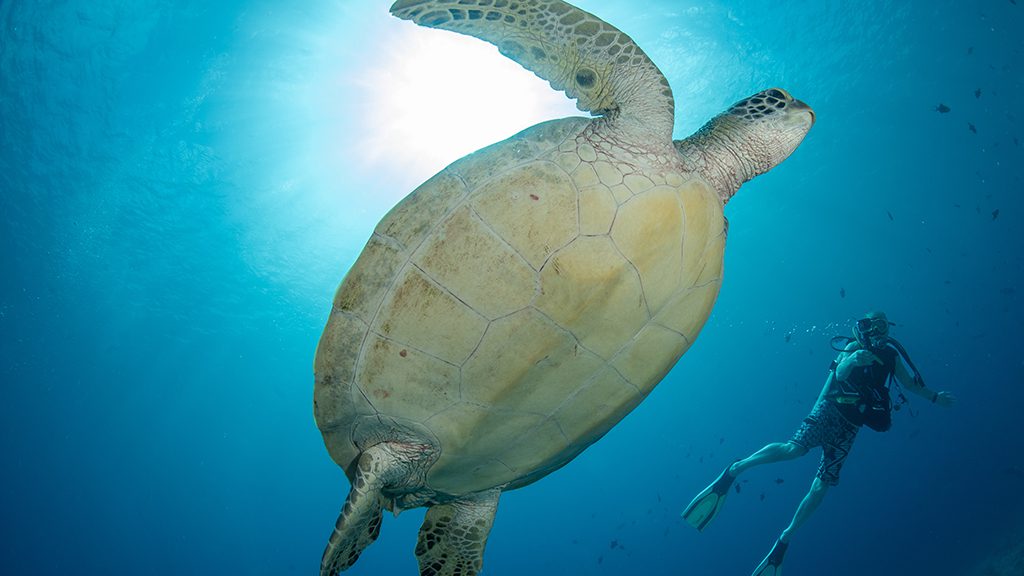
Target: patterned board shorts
(827,428)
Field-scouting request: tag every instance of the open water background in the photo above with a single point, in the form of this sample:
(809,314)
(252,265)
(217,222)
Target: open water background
(183,184)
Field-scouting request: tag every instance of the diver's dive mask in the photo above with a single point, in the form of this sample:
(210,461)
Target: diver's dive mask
(872,332)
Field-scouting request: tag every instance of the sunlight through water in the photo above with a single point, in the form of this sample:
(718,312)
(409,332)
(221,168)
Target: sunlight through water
(431,97)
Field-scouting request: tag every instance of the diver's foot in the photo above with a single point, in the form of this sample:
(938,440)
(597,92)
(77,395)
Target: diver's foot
(772,563)
(703,509)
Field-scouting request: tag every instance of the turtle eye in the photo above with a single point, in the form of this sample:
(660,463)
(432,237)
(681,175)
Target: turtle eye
(776,94)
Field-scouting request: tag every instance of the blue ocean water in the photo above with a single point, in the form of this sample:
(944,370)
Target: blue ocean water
(183,184)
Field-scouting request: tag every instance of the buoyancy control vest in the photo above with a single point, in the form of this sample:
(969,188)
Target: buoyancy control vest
(864,398)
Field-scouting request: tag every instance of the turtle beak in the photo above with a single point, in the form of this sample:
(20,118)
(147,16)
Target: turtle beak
(798,105)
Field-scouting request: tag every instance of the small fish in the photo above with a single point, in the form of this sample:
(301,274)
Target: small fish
(737,488)
(1008,291)
(995,213)
(779,480)
(977,93)
(789,336)
(890,215)
(721,440)
(762,496)
(972,128)
(1015,141)
(842,292)
(970,50)
(613,544)
(600,559)
(942,108)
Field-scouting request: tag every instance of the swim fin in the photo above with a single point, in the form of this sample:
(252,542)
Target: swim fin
(772,563)
(703,509)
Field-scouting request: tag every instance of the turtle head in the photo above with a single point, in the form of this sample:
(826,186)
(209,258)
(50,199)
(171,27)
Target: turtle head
(750,138)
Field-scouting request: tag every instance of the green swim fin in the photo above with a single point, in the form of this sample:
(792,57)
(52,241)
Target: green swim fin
(772,563)
(703,509)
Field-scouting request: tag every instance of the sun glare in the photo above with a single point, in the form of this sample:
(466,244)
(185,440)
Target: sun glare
(431,97)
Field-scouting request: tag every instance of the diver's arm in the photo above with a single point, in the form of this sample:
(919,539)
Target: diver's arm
(850,358)
(917,387)
(834,374)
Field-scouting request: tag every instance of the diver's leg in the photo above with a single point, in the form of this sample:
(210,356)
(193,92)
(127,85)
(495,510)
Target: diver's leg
(774,452)
(772,563)
(834,453)
(807,507)
(706,505)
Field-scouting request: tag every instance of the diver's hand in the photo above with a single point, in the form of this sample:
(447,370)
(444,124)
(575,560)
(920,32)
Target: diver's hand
(863,358)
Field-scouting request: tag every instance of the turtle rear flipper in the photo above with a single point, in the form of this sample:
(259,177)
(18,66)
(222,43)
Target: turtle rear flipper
(359,522)
(453,535)
(578,53)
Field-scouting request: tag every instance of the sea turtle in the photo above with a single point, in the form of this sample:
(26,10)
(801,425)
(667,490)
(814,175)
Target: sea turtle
(514,307)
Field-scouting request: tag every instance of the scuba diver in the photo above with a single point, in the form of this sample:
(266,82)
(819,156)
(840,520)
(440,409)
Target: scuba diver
(858,392)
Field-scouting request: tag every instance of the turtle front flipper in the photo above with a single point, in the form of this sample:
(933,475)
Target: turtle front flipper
(453,535)
(359,522)
(575,51)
